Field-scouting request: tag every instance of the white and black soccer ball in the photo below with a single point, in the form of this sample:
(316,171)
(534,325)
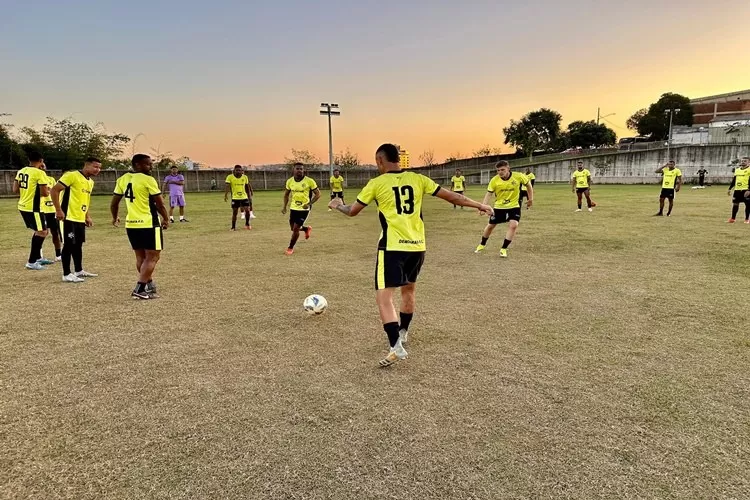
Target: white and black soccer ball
(315,304)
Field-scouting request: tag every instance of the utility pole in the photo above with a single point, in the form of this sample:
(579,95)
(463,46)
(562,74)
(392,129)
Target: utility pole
(671,113)
(330,109)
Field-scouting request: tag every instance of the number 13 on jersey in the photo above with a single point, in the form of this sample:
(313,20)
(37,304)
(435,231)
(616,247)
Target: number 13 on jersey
(407,206)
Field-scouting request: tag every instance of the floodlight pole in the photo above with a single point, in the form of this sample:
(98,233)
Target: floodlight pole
(330,109)
(671,113)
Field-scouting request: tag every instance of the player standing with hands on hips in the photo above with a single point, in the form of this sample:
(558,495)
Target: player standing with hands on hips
(401,249)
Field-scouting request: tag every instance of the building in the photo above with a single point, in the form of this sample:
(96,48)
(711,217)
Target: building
(730,128)
(707,109)
(403,158)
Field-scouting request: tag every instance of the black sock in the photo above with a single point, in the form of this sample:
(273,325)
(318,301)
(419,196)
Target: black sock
(747,211)
(303,229)
(484,240)
(292,243)
(66,253)
(406,320)
(669,212)
(391,329)
(77,253)
(506,243)
(140,287)
(58,252)
(36,248)
(579,206)
(247,221)
(735,209)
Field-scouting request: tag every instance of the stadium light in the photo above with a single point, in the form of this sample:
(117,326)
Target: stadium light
(330,109)
(671,113)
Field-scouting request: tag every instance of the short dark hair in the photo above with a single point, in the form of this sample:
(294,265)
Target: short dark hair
(137,159)
(390,151)
(34,156)
(174,166)
(238,166)
(502,163)
(93,159)
(298,164)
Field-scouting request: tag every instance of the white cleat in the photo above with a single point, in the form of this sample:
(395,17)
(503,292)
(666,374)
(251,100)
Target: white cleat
(591,209)
(72,278)
(252,216)
(58,258)
(36,266)
(578,210)
(403,335)
(396,354)
(86,274)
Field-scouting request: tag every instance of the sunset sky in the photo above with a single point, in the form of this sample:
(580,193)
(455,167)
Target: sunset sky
(227,82)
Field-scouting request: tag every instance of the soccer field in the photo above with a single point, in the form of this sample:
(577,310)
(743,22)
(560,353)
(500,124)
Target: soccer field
(606,358)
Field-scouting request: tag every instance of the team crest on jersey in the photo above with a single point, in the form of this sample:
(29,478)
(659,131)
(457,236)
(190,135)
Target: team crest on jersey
(83,208)
(71,235)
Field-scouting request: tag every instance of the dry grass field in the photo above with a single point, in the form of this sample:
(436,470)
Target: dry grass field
(608,357)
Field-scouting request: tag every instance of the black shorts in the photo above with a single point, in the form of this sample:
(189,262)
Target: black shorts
(298,217)
(739,196)
(34,220)
(581,190)
(667,193)
(394,269)
(337,194)
(503,215)
(240,203)
(148,238)
(74,233)
(52,223)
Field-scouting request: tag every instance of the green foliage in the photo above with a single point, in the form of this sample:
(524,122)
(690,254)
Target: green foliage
(587,134)
(302,156)
(346,159)
(537,130)
(11,153)
(654,122)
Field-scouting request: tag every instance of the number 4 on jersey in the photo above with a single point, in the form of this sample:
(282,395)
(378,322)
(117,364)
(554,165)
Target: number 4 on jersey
(128,194)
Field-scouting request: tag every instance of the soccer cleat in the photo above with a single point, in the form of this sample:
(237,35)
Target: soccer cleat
(289,251)
(397,353)
(593,204)
(248,227)
(183,220)
(591,209)
(140,295)
(45,262)
(747,221)
(252,216)
(58,258)
(659,215)
(151,290)
(308,232)
(403,336)
(85,274)
(503,252)
(171,220)
(233,229)
(731,221)
(72,278)
(578,210)
(330,210)
(36,266)
(479,249)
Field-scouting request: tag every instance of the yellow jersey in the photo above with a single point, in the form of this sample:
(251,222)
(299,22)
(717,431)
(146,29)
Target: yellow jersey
(531,177)
(47,206)
(237,186)
(669,177)
(301,192)
(337,184)
(507,192)
(30,182)
(399,198)
(76,198)
(458,182)
(742,179)
(581,177)
(138,189)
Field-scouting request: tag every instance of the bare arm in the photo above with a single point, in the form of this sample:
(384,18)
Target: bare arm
(248,190)
(461,200)
(573,183)
(486,198)
(348,210)
(59,188)
(316,196)
(588,179)
(529,194)
(114,209)
(659,170)
(227,188)
(16,187)
(679,182)
(162,209)
(286,201)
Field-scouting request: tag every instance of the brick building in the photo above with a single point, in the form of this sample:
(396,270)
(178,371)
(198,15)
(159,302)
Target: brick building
(707,109)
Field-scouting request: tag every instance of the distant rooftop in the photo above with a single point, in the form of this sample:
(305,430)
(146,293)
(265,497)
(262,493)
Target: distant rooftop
(738,95)
(731,118)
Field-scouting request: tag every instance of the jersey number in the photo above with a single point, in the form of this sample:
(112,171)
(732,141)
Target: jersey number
(23,181)
(128,194)
(408,203)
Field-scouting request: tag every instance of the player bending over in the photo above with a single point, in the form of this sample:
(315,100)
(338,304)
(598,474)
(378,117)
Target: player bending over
(670,184)
(144,203)
(304,193)
(506,186)
(401,249)
(741,185)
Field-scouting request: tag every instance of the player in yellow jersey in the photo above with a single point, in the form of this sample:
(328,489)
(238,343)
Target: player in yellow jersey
(72,210)
(580,180)
(337,185)
(31,186)
(48,209)
(401,249)
(145,205)
(671,183)
(458,184)
(506,186)
(303,192)
(524,194)
(741,185)
(238,184)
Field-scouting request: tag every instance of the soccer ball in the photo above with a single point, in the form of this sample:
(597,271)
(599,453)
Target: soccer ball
(315,304)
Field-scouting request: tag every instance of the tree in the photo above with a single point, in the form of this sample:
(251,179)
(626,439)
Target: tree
(586,134)
(655,122)
(427,158)
(485,150)
(632,122)
(302,156)
(537,130)
(454,157)
(11,153)
(346,159)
